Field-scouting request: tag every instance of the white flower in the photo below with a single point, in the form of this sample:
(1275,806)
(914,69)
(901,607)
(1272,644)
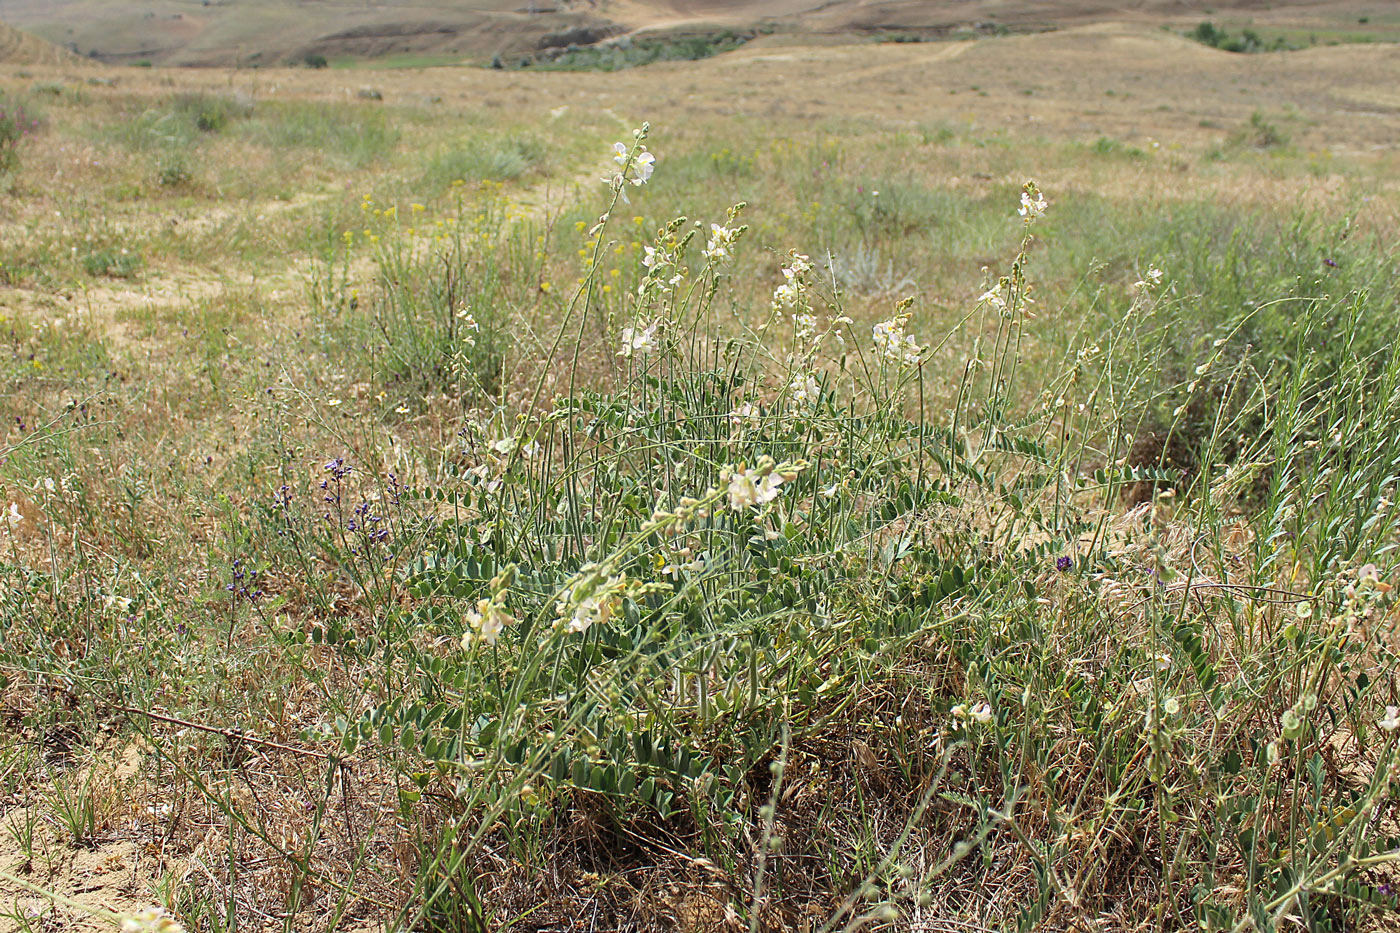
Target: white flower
(803,389)
(505,446)
(893,343)
(980,713)
(721,242)
(830,491)
(485,623)
(120,603)
(749,487)
(745,414)
(644,166)
(151,920)
(787,295)
(469,323)
(992,296)
(594,609)
(806,325)
(1151,280)
(1391,722)
(1032,203)
(13,516)
(651,257)
(638,339)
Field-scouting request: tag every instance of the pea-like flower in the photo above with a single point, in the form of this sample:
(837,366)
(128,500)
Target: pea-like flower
(638,339)
(1033,203)
(721,245)
(749,487)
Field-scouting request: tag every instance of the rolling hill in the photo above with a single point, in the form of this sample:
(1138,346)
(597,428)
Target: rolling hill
(269,32)
(22,48)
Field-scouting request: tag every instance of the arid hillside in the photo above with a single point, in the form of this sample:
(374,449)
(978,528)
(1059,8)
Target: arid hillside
(263,32)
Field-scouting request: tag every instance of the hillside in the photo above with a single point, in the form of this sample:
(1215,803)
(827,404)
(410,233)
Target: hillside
(22,48)
(264,32)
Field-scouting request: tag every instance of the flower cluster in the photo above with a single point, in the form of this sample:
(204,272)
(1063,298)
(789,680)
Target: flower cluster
(757,486)
(720,248)
(980,713)
(1033,203)
(1152,279)
(893,343)
(484,623)
(470,328)
(639,339)
(593,599)
(635,164)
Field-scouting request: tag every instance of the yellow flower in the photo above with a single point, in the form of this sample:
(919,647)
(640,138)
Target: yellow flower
(545,287)
(417,208)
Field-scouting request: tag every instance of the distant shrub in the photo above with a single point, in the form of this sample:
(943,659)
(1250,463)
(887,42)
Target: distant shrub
(1207,33)
(17,122)
(353,135)
(315,61)
(493,158)
(630,53)
(210,113)
(112,262)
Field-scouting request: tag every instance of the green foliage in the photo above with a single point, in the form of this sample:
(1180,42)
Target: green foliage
(18,121)
(115,262)
(1207,33)
(347,134)
(630,52)
(485,157)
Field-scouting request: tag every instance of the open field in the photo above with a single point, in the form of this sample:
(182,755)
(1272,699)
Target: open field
(407,521)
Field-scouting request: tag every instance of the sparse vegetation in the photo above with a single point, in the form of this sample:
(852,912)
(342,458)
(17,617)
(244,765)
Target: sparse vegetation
(1248,40)
(629,52)
(421,512)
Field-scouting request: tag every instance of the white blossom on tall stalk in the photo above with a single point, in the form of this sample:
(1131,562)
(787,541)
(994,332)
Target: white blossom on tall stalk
(1152,279)
(993,297)
(470,328)
(746,415)
(485,623)
(789,294)
(642,166)
(803,389)
(721,245)
(757,486)
(893,343)
(638,339)
(1033,203)
(805,325)
(580,611)
(11,518)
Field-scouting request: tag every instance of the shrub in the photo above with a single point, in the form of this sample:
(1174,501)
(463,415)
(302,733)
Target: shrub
(17,123)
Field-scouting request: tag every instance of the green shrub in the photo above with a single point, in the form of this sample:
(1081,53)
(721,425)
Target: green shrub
(18,122)
(485,157)
(349,134)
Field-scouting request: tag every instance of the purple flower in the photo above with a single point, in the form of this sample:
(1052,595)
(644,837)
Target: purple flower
(1063,564)
(1329,262)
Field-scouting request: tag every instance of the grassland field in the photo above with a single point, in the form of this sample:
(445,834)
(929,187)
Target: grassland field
(411,522)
